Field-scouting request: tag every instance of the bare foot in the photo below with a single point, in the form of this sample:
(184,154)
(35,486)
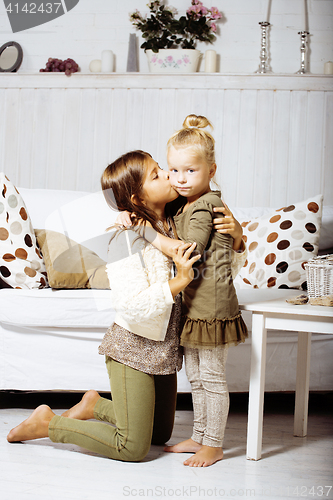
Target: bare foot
(207,455)
(84,410)
(34,427)
(187,446)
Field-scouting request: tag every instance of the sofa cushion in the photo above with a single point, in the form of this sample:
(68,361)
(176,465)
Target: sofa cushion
(70,309)
(69,264)
(21,263)
(279,243)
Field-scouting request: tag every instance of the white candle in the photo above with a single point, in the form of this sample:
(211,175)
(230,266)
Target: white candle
(107,61)
(328,68)
(210,61)
(269,5)
(305,17)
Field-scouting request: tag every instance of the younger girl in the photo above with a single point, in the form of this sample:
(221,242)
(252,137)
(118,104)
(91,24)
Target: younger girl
(212,320)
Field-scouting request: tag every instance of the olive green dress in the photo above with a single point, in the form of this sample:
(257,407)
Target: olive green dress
(210,305)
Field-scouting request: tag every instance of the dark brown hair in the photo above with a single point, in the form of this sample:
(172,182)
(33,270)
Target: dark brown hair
(124,178)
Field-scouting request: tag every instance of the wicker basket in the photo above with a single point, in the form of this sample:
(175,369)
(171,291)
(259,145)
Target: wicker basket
(320,276)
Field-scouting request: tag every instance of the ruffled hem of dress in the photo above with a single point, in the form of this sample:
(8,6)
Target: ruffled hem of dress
(212,333)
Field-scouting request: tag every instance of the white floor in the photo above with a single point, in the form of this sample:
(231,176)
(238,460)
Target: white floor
(290,468)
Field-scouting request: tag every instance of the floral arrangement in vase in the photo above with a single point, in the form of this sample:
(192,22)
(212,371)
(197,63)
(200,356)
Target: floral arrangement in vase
(163,31)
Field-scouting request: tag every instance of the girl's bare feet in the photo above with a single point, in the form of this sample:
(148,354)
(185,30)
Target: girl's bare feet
(207,455)
(84,410)
(187,446)
(34,427)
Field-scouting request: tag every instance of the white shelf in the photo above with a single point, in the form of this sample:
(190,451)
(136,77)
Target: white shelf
(168,81)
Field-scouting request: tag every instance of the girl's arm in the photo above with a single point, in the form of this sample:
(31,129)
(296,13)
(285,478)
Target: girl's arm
(133,296)
(229,225)
(166,245)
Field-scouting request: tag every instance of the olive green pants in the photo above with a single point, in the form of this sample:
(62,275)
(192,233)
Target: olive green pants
(141,413)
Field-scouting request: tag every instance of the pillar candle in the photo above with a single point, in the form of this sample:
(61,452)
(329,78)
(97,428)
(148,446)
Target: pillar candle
(269,5)
(305,26)
(210,61)
(107,61)
(328,68)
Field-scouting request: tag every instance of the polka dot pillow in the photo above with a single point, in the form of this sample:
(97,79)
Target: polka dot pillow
(21,264)
(279,244)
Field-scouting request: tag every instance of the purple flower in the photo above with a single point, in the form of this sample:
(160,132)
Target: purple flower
(213,27)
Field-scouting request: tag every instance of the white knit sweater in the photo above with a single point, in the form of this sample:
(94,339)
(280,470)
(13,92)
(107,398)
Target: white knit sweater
(139,286)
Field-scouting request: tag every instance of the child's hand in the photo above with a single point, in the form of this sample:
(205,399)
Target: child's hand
(228,225)
(184,262)
(124,219)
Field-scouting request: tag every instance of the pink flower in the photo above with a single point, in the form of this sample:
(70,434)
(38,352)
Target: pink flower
(186,60)
(179,62)
(169,59)
(196,9)
(204,11)
(154,59)
(196,2)
(213,27)
(160,61)
(215,13)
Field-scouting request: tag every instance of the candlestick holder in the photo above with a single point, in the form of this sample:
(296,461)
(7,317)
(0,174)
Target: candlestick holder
(264,66)
(304,47)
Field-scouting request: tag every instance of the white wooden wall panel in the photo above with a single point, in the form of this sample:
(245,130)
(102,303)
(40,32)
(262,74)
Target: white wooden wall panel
(245,164)
(274,145)
(227,174)
(327,172)
(280,147)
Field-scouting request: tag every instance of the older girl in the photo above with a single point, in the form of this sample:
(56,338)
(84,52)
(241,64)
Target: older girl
(142,371)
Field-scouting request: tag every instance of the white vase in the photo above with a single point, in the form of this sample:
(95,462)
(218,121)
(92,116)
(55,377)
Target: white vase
(173,60)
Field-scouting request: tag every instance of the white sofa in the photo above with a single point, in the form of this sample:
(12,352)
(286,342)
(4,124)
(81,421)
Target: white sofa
(49,337)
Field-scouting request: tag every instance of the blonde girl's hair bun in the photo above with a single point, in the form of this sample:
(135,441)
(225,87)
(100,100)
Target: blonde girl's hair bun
(194,121)
(193,135)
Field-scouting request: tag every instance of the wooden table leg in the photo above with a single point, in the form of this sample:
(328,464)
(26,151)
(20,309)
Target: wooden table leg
(302,384)
(257,387)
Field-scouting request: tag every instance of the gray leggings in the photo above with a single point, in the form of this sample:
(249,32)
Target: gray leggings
(205,369)
(141,413)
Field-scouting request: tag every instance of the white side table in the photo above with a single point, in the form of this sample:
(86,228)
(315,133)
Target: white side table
(271,311)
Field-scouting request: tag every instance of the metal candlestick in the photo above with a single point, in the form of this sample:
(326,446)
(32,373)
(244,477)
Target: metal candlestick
(304,42)
(264,66)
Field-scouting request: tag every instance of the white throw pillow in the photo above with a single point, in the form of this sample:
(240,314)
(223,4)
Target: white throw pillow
(279,244)
(21,263)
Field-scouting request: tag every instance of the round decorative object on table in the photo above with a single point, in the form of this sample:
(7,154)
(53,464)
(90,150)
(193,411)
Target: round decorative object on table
(11,55)
(173,60)
(95,66)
